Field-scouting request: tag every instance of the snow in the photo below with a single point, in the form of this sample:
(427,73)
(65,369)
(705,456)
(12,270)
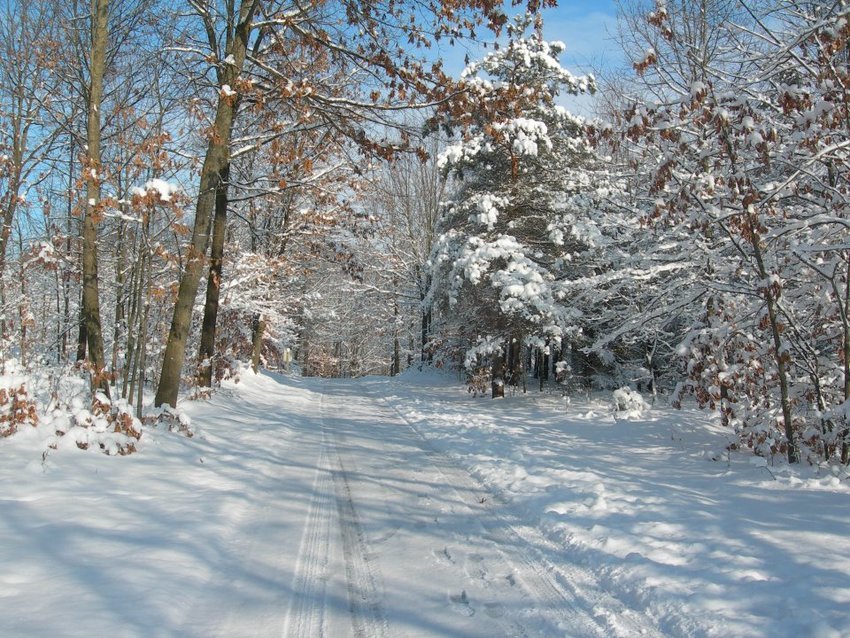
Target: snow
(486,207)
(406,507)
(165,190)
(526,134)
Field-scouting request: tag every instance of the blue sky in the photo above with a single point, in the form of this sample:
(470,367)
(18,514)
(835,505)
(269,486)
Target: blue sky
(587,28)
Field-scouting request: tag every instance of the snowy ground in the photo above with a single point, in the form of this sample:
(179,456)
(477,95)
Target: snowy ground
(408,508)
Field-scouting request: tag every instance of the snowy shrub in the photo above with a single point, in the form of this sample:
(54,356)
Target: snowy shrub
(80,421)
(17,403)
(478,381)
(763,439)
(174,419)
(760,429)
(16,409)
(628,404)
(445,353)
(107,426)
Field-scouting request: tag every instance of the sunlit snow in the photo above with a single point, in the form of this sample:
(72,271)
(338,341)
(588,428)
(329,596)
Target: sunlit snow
(406,507)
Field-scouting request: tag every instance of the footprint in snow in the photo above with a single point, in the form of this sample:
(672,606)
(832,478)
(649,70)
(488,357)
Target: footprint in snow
(444,555)
(474,567)
(460,603)
(494,610)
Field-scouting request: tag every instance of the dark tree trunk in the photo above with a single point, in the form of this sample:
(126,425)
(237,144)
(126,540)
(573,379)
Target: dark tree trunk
(120,325)
(141,362)
(217,157)
(66,270)
(82,341)
(396,364)
(91,297)
(845,433)
(425,355)
(497,375)
(208,328)
(135,305)
(515,369)
(425,325)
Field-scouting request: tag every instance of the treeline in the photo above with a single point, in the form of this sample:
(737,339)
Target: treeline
(696,236)
(185,186)
(155,152)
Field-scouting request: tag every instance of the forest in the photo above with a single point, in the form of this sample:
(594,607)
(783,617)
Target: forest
(190,186)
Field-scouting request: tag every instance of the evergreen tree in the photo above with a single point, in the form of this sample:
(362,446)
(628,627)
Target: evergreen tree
(516,230)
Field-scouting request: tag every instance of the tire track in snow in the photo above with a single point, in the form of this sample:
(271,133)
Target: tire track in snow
(364,597)
(568,595)
(318,561)
(306,616)
(331,518)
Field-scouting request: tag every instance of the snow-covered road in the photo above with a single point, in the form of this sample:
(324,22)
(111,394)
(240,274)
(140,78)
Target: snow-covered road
(391,508)
(399,541)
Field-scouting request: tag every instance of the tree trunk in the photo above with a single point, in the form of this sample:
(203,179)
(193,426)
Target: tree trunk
(140,356)
(91,297)
(257,330)
(497,374)
(538,366)
(845,431)
(23,312)
(515,369)
(120,325)
(542,366)
(136,283)
(82,341)
(66,269)
(9,209)
(302,356)
(19,135)
(425,327)
(396,366)
(175,348)
(425,357)
(776,334)
(217,157)
(208,327)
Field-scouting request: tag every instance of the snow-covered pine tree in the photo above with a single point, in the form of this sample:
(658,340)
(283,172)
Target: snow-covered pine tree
(511,235)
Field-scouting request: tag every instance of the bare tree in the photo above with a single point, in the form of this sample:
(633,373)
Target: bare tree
(378,75)
(407,193)
(94,204)
(234,50)
(27,55)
